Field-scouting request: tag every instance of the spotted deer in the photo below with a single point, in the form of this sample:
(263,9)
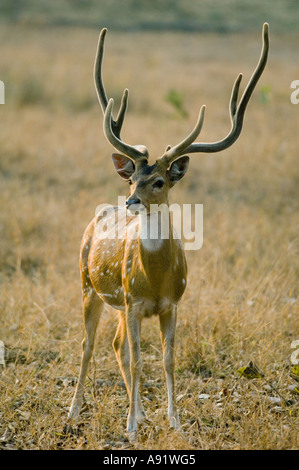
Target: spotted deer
(136,275)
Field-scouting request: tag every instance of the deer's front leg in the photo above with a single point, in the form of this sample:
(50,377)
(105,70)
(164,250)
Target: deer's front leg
(92,307)
(167,327)
(122,351)
(133,331)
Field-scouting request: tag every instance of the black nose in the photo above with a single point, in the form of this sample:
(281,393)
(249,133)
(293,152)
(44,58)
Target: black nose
(132,200)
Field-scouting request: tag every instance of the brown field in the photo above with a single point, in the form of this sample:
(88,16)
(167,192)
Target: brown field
(241,302)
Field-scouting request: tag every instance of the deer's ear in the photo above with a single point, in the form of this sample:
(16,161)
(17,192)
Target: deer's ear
(178,169)
(123,165)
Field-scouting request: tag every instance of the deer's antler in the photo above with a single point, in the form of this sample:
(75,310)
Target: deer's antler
(237,112)
(112,127)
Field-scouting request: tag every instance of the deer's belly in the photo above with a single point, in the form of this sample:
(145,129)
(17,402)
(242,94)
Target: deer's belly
(143,307)
(147,308)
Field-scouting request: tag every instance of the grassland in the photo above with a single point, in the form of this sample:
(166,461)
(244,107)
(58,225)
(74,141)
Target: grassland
(241,302)
(156,15)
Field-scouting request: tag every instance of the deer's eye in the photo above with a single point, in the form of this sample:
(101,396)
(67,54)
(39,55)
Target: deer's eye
(130,181)
(158,184)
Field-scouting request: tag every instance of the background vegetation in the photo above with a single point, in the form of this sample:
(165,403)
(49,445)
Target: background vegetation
(241,302)
(188,15)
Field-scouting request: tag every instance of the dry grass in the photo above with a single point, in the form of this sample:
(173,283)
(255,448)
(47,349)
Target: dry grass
(241,301)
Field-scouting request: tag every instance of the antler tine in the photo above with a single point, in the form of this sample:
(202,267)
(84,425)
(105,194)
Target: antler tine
(172,153)
(100,89)
(237,111)
(133,152)
(101,92)
(233,104)
(255,76)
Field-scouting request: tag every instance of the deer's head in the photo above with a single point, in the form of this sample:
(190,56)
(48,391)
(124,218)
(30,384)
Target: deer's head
(150,184)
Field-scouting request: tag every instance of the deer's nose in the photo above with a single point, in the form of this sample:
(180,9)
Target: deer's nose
(132,200)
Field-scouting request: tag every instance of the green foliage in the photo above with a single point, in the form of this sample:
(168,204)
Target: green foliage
(295,373)
(250,372)
(176,99)
(265,94)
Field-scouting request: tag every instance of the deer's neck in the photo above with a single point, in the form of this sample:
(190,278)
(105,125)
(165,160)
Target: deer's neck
(161,257)
(155,232)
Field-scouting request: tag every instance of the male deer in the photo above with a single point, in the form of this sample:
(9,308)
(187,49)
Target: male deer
(141,277)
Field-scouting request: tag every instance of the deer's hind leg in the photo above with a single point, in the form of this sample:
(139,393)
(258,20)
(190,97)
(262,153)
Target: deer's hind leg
(92,308)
